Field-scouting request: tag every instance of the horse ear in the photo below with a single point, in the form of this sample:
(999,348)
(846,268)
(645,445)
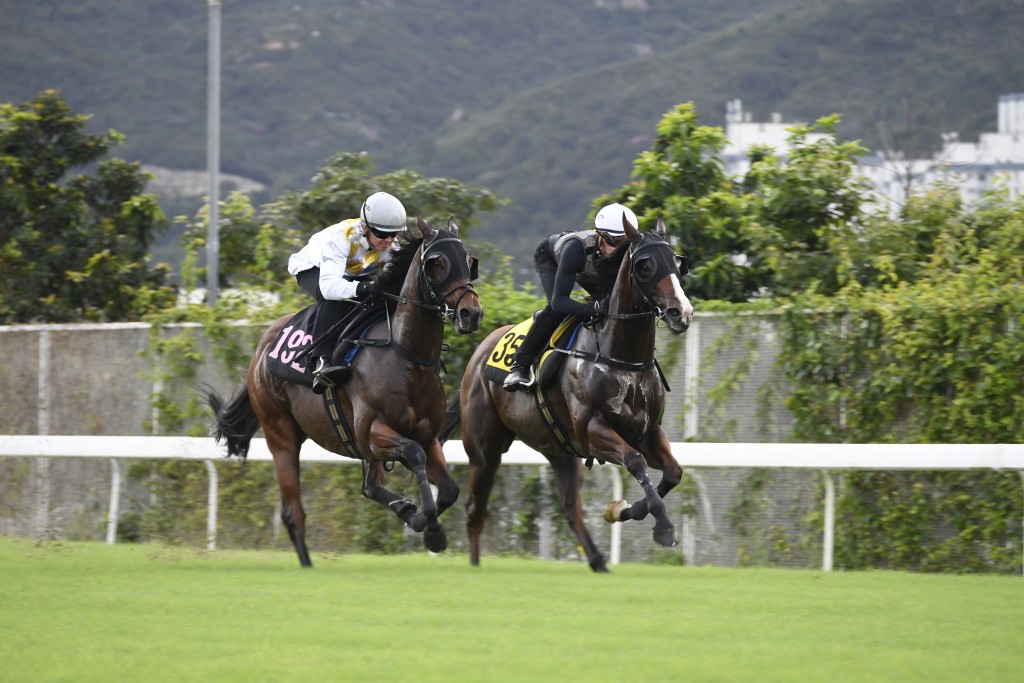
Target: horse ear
(453,226)
(660,227)
(421,225)
(631,232)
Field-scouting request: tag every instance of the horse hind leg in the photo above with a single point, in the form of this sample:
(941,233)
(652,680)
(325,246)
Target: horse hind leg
(569,474)
(284,439)
(482,472)
(664,531)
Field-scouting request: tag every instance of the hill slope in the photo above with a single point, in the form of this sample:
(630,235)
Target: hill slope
(547,103)
(899,73)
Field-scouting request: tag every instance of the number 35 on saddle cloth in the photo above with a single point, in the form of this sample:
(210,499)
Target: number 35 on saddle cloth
(285,360)
(500,361)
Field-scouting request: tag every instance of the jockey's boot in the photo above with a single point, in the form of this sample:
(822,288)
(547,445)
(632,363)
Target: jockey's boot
(520,376)
(333,371)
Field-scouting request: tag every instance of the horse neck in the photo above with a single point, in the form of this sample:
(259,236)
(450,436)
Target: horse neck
(419,330)
(631,339)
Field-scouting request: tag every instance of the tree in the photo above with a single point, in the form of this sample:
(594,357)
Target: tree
(682,179)
(255,243)
(770,232)
(72,249)
(803,208)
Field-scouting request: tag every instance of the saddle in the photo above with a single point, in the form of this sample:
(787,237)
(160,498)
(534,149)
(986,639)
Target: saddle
(499,363)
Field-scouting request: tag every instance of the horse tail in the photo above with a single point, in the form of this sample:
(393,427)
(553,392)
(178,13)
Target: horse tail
(451,420)
(234,422)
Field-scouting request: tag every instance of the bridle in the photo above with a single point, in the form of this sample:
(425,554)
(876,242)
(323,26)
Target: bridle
(459,266)
(666,262)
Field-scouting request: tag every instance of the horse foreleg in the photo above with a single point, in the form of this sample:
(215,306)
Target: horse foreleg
(569,475)
(664,531)
(375,490)
(659,456)
(441,477)
(414,458)
(434,537)
(386,443)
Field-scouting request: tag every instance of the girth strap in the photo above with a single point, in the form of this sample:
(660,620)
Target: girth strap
(341,427)
(547,413)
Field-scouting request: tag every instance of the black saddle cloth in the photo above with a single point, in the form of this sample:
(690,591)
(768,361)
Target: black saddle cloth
(296,337)
(286,360)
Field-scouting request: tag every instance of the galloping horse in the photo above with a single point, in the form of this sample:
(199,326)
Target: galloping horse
(608,393)
(394,402)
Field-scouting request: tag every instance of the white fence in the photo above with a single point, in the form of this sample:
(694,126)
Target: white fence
(823,457)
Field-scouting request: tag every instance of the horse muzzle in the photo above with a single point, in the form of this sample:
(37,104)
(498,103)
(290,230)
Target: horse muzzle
(678,319)
(467,319)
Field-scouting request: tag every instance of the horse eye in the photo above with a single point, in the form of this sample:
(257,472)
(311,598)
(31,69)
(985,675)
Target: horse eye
(644,269)
(437,268)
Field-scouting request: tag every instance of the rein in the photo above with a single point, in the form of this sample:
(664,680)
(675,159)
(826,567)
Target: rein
(446,312)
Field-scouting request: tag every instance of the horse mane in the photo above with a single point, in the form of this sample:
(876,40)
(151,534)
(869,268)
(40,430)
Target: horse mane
(392,276)
(607,267)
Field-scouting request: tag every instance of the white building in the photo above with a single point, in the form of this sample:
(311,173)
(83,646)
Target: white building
(973,167)
(743,133)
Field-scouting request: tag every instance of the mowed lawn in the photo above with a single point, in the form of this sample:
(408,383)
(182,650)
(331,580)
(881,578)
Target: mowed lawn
(92,612)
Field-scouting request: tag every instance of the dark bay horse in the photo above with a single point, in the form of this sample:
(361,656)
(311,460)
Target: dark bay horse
(607,395)
(393,403)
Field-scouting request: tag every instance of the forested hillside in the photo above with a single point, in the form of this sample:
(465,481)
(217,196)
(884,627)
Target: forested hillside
(545,103)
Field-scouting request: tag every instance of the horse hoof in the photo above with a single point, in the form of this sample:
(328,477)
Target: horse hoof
(435,539)
(665,535)
(614,509)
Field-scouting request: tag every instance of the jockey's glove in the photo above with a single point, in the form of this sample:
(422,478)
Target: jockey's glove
(596,311)
(366,288)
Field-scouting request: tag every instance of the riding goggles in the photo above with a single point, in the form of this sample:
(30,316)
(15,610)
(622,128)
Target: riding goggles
(612,240)
(380,234)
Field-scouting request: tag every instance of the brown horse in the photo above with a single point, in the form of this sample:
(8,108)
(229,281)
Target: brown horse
(608,395)
(394,402)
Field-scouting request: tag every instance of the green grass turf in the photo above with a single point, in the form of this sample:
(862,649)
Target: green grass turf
(92,612)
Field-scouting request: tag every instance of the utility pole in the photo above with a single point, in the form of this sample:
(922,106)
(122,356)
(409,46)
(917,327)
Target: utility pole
(213,153)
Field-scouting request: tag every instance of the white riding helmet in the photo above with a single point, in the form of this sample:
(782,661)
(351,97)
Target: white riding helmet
(382,211)
(609,219)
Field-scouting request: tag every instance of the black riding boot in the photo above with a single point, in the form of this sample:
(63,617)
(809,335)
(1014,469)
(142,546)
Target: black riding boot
(334,370)
(331,369)
(520,375)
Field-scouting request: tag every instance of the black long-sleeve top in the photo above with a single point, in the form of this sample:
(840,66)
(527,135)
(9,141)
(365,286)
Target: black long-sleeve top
(571,262)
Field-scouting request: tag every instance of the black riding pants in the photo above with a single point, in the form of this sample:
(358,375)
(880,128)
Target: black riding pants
(329,311)
(545,321)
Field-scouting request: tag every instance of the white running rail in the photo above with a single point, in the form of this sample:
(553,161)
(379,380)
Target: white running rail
(824,457)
